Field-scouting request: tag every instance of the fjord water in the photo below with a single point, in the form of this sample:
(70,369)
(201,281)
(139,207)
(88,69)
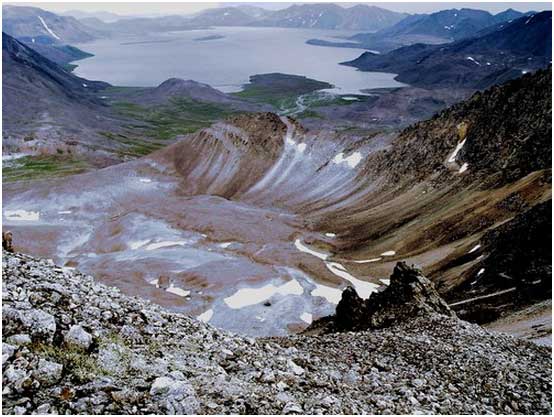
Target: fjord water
(228,62)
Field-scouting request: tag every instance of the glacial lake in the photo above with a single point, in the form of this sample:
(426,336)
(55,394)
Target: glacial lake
(228,62)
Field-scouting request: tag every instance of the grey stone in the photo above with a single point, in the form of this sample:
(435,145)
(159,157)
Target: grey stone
(78,337)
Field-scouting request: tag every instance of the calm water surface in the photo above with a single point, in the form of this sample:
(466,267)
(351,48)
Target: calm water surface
(226,63)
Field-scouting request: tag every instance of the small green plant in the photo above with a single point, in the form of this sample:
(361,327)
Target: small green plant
(79,363)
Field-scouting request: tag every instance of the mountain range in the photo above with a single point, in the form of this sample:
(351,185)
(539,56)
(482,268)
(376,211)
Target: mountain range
(495,55)
(439,27)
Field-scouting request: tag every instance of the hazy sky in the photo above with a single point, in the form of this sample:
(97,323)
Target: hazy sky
(151,8)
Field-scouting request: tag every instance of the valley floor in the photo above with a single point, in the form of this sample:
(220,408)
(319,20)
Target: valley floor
(532,323)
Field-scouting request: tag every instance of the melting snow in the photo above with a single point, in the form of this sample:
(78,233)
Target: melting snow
(385,281)
(165,243)
(206,316)
(349,98)
(138,244)
(330,234)
(306,317)
(459,146)
(389,253)
(332,295)
(145,180)
(47,28)
(225,244)
(351,160)
(366,261)
(177,291)
(64,212)
(481,271)
(22,215)
(303,248)
(474,248)
(363,288)
(472,60)
(250,296)
(85,85)
(12,156)
(463,168)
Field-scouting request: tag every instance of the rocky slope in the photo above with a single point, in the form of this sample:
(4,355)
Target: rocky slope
(71,345)
(485,59)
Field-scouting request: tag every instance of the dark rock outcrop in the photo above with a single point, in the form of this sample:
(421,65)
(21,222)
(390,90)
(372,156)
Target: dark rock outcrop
(410,294)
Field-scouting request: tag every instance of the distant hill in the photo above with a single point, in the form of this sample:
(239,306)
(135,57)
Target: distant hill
(494,56)
(440,27)
(225,16)
(331,16)
(139,25)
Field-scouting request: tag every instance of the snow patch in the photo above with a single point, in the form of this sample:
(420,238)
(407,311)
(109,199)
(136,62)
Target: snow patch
(332,295)
(178,291)
(250,296)
(385,281)
(363,288)
(206,316)
(64,212)
(459,146)
(330,235)
(303,248)
(473,60)
(475,248)
(481,271)
(12,156)
(306,317)
(145,180)
(366,261)
(47,28)
(22,215)
(352,160)
(389,253)
(165,243)
(463,168)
